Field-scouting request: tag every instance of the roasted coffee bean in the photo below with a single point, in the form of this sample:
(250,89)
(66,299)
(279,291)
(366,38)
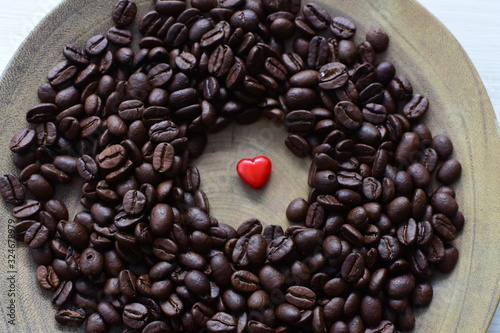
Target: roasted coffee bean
(87,168)
(443,227)
(197,282)
(69,317)
(352,268)
(297,145)
(244,281)
(163,157)
(26,209)
(124,13)
(449,171)
(11,189)
(96,45)
(135,315)
(342,27)
(317,16)
(301,297)
(91,262)
(42,113)
(39,187)
(287,313)
(389,248)
(297,210)
(22,141)
(348,115)
(400,88)
(222,322)
(88,127)
(58,75)
(332,76)
(76,54)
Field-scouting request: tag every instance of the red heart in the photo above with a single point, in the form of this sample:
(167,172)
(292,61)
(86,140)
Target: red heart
(254,172)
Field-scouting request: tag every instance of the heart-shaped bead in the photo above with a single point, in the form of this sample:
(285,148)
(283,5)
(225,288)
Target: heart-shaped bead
(254,172)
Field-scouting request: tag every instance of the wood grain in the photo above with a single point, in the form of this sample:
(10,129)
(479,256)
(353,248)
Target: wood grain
(438,68)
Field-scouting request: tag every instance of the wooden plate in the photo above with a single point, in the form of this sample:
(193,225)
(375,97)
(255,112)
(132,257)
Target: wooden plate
(420,47)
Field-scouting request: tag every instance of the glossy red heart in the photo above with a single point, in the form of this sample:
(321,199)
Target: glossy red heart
(254,172)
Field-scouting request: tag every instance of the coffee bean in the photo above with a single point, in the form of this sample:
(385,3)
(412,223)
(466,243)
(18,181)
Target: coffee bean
(389,248)
(163,157)
(76,54)
(297,210)
(332,76)
(317,16)
(124,13)
(70,318)
(42,113)
(91,262)
(297,145)
(348,115)
(301,297)
(197,282)
(449,171)
(371,310)
(222,322)
(244,281)
(287,313)
(11,189)
(342,27)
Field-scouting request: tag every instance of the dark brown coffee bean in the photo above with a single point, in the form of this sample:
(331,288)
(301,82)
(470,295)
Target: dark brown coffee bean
(449,172)
(61,73)
(445,204)
(11,189)
(87,168)
(91,262)
(287,313)
(163,157)
(275,69)
(76,54)
(300,120)
(317,16)
(42,113)
(39,187)
(124,13)
(348,115)
(297,210)
(22,141)
(342,27)
(160,75)
(332,76)
(400,88)
(222,322)
(70,318)
(164,131)
(97,45)
(135,315)
(389,248)
(301,297)
(244,281)
(112,157)
(26,209)
(352,268)
(443,227)
(371,310)
(197,282)
(297,145)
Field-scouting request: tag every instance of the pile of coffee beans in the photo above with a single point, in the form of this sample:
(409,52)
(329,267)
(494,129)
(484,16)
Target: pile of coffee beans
(128,121)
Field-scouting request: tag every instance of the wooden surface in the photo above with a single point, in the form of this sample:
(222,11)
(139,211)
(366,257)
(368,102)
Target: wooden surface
(464,301)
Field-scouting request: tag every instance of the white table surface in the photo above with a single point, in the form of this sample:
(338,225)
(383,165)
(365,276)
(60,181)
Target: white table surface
(475,24)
